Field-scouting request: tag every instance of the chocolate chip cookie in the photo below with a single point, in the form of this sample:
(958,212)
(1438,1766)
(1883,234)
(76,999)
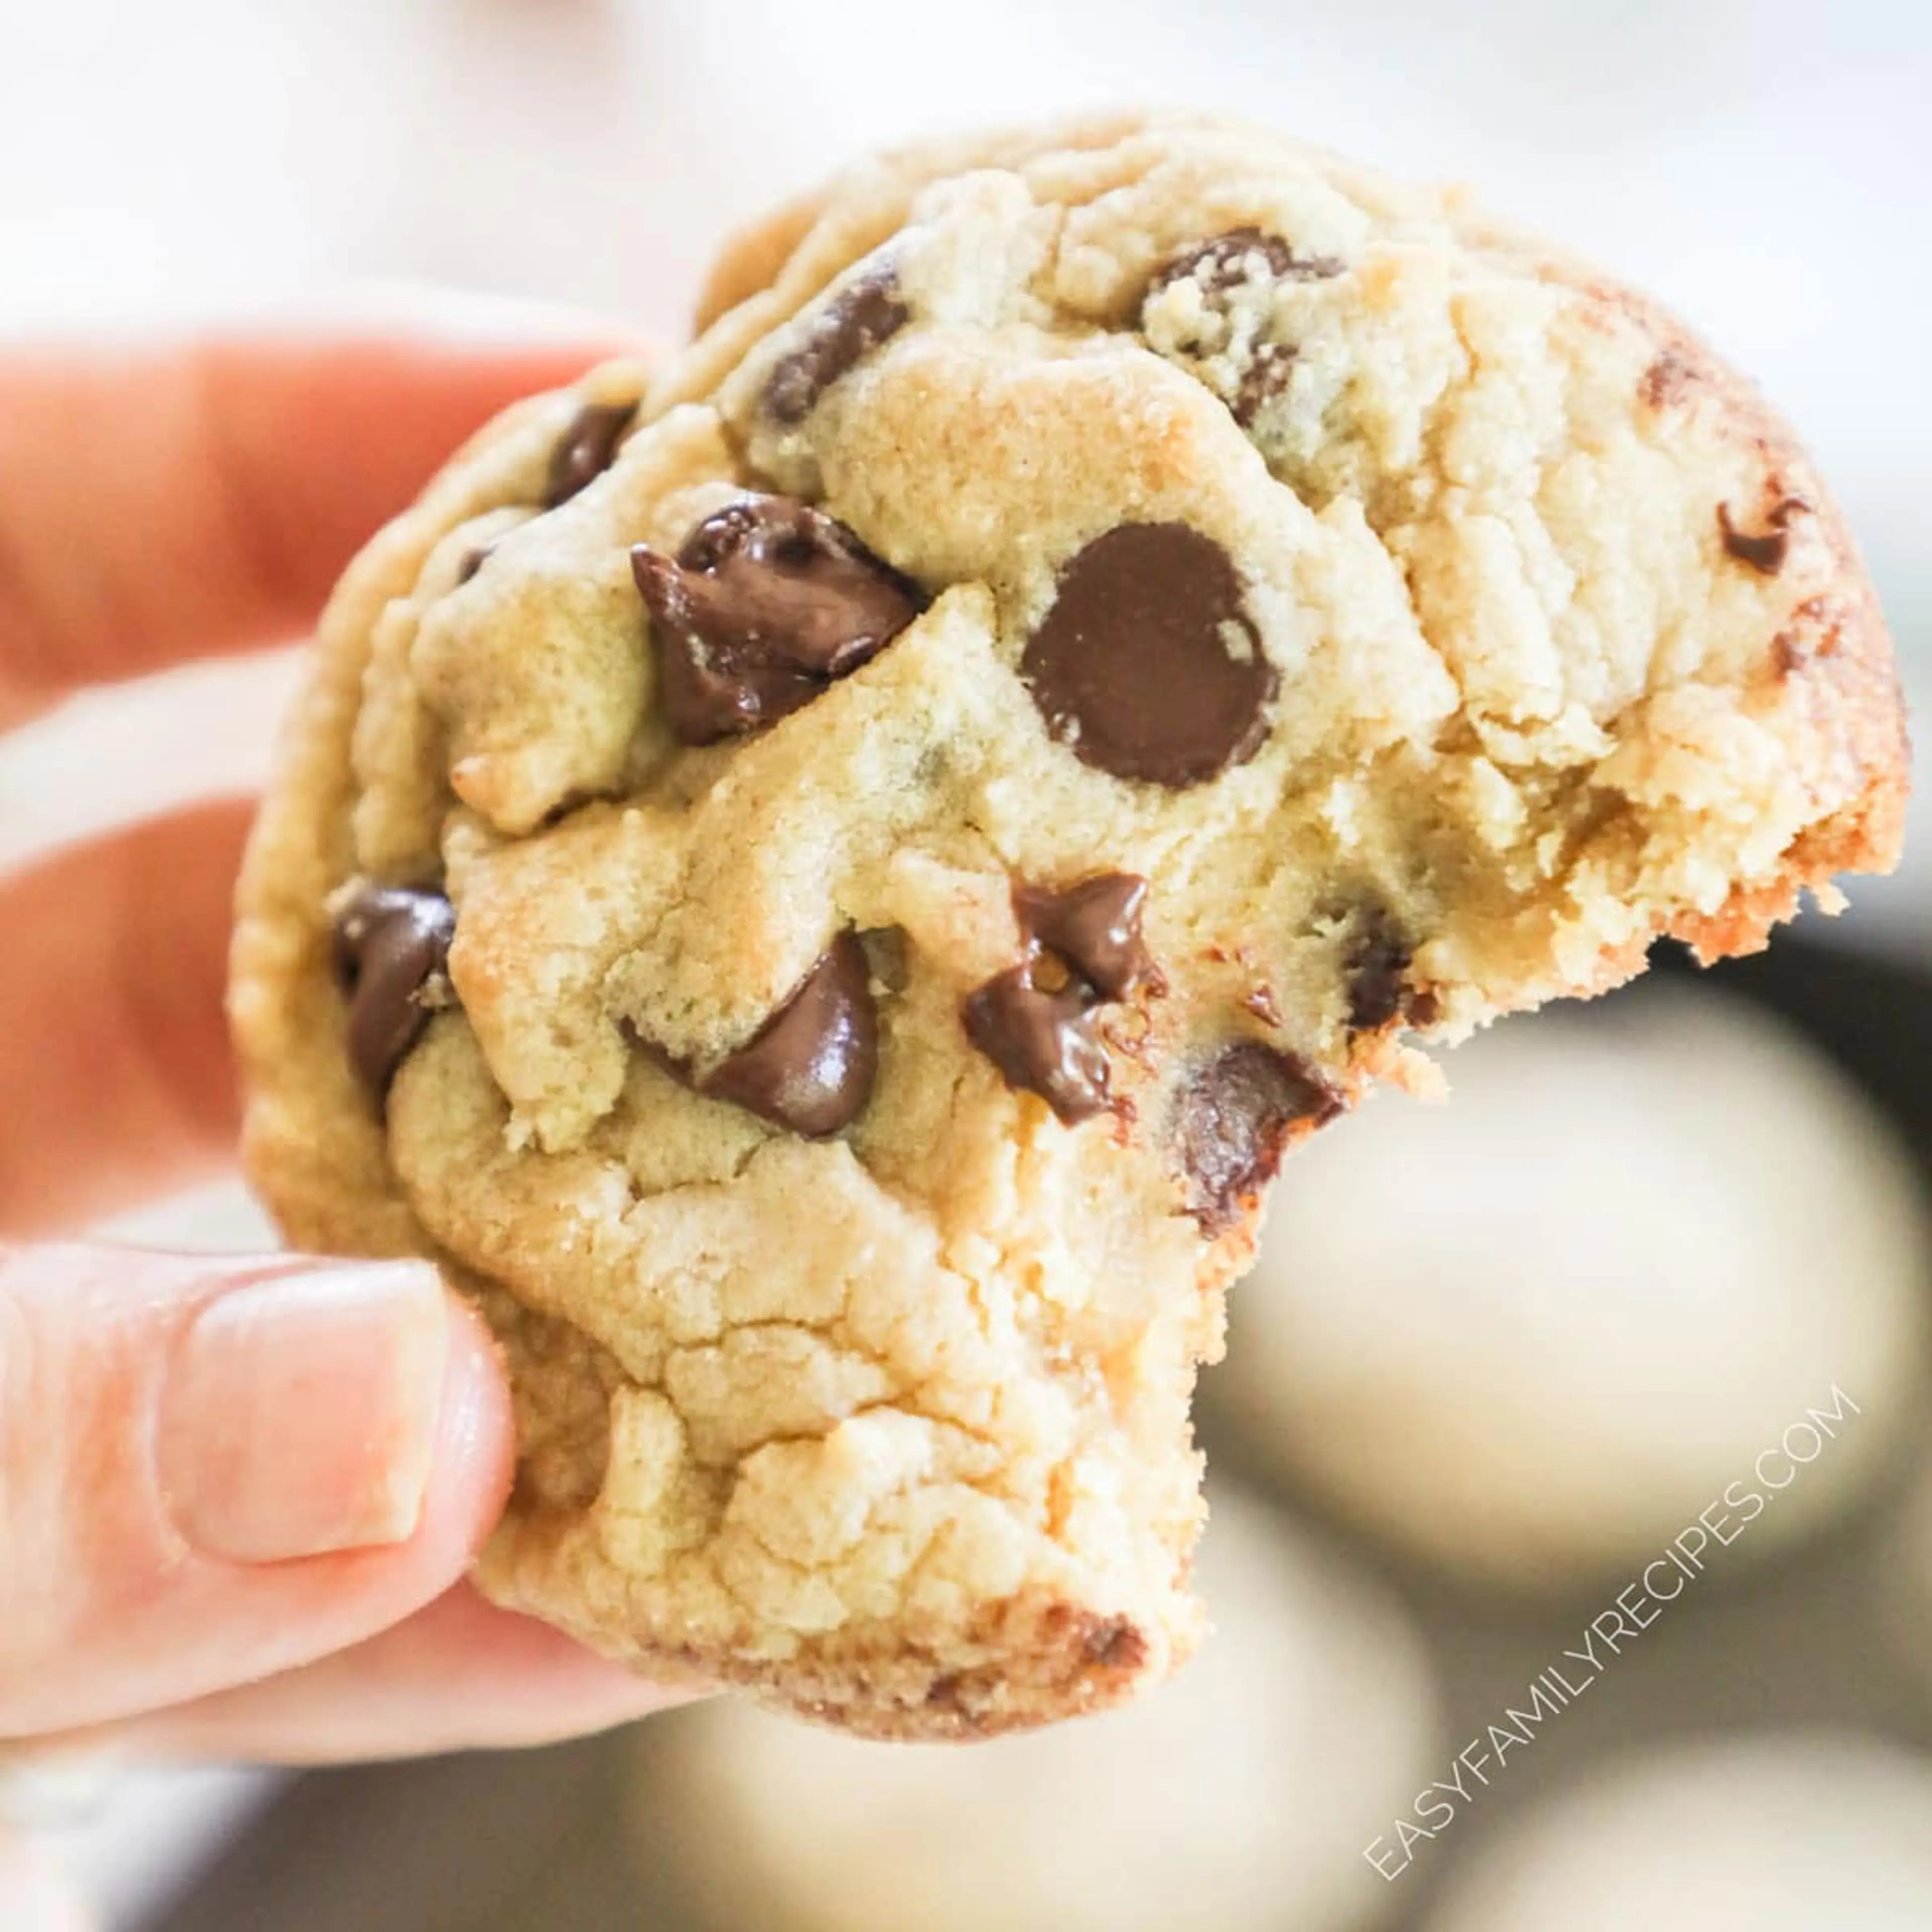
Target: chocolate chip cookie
(822,881)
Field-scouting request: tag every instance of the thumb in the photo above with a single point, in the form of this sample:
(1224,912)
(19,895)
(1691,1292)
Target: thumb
(212,1470)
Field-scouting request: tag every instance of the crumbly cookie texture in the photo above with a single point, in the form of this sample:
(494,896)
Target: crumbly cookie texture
(822,880)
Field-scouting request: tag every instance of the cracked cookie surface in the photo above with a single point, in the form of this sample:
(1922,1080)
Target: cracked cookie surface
(822,880)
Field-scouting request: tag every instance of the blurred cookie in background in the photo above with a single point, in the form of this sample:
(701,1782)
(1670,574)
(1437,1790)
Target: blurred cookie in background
(1306,1719)
(1782,1833)
(1902,1572)
(1529,1338)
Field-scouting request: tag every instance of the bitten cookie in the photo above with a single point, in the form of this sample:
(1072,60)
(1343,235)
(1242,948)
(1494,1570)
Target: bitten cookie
(822,882)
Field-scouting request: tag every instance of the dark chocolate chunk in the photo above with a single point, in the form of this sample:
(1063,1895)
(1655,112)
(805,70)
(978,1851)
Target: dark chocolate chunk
(1765,554)
(391,946)
(810,1066)
(1235,1118)
(854,323)
(1147,665)
(1096,928)
(767,602)
(587,450)
(1042,1042)
(1227,260)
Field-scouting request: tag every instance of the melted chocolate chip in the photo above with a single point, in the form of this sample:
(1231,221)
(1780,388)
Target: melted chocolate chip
(1235,1118)
(810,1066)
(1039,1031)
(1377,963)
(1227,260)
(1766,553)
(861,315)
(1042,1042)
(766,604)
(1096,928)
(391,945)
(1147,665)
(587,450)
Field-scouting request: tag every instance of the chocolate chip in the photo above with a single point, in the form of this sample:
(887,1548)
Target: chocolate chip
(1377,962)
(1039,1030)
(1235,1118)
(1042,1042)
(863,314)
(1147,665)
(767,602)
(391,945)
(1764,554)
(810,1066)
(1227,260)
(1096,928)
(587,450)
(473,560)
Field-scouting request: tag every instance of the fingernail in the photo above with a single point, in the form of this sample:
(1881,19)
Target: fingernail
(300,1414)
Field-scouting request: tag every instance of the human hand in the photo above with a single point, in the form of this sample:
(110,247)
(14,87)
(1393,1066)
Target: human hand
(237,1497)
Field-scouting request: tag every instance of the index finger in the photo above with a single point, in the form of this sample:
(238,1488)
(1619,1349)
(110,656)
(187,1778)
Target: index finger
(194,499)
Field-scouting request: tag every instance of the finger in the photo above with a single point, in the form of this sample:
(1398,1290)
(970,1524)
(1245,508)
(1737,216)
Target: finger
(460,1675)
(36,1895)
(198,498)
(212,1471)
(114,1054)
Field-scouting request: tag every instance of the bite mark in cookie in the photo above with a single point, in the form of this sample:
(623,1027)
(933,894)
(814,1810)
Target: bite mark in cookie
(391,947)
(1147,665)
(766,603)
